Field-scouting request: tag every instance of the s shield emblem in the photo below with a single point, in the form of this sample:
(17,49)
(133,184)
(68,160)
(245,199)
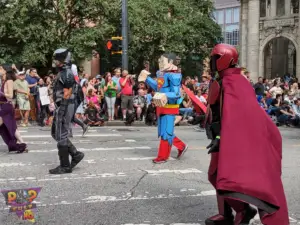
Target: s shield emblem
(160,82)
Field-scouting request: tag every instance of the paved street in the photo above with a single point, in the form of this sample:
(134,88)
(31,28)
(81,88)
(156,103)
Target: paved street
(117,182)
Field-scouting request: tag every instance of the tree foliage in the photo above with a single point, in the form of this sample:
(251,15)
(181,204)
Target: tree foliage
(31,29)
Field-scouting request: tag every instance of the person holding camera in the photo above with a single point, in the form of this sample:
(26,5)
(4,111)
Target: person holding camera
(110,92)
(126,82)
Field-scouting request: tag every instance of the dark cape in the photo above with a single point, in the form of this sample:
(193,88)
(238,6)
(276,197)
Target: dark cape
(250,148)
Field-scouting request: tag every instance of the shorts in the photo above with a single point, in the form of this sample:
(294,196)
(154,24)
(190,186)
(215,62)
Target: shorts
(118,101)
(23,103)
(127,102)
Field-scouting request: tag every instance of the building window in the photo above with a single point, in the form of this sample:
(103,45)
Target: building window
(295,6)
(236,15)
(228,16)
(280,8)
(263,8)
(220,16)
(232,34)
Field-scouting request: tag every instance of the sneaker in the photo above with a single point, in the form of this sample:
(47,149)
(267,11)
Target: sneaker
(159,161)
(60,170)
(181,153)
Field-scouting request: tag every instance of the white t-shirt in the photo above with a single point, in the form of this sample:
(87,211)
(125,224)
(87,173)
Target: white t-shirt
(202,99)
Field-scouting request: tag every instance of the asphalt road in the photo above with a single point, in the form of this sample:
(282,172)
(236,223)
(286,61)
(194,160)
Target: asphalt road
(117,182)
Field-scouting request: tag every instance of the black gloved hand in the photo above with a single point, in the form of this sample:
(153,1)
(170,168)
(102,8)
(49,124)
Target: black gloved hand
(214,146)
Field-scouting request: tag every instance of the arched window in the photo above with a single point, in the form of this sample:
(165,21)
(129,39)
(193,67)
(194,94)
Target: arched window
(280,8)
(295,6)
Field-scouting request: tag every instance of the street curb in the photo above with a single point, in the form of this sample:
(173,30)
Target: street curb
(116,123)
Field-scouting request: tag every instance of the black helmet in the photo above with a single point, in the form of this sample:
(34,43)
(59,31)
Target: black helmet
(62,55)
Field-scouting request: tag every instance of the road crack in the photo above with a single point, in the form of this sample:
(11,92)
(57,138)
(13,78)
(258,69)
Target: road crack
(132,190)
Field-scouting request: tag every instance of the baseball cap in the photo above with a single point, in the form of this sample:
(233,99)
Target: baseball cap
(98,76)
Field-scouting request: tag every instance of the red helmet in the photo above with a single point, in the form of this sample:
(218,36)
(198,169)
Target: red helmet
(222,57)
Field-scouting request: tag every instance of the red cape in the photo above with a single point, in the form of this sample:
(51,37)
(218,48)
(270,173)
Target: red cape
(198,105)
(251,146)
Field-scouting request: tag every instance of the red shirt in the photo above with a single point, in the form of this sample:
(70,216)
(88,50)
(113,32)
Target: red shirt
(127,89)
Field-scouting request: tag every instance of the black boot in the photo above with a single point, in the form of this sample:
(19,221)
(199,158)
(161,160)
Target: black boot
(226,219)
(64,166)
(76,155)
(246,216)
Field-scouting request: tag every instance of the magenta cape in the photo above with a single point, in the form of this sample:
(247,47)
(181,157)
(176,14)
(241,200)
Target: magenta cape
(250,148)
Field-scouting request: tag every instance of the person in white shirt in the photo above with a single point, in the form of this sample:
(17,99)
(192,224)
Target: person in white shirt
(276,89)
(200,97)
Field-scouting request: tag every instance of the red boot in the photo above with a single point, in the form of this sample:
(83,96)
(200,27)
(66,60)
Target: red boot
(180,146)
(163,152)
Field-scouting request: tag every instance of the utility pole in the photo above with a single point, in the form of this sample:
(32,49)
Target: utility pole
(125,34)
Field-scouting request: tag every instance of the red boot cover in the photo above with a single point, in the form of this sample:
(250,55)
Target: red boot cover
(163,151)
(178,144)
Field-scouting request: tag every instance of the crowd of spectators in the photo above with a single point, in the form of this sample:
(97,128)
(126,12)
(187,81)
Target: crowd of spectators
(118,96)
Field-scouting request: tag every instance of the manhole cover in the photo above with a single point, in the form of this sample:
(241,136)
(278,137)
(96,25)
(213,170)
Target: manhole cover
(124,129)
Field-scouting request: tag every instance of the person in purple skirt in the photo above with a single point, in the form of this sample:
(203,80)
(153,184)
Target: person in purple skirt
(8,124)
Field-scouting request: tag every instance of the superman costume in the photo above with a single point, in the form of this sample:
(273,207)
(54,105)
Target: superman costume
(168,82)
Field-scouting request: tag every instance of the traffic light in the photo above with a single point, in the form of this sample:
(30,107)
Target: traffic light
(114,45)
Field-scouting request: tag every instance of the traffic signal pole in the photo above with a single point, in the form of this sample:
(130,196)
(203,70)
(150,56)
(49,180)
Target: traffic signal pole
(125,34)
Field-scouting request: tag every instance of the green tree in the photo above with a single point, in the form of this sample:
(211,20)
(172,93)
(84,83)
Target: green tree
(178,26)
(30,30)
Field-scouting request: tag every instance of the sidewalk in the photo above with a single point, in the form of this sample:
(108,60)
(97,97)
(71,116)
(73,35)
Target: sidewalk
(115,123)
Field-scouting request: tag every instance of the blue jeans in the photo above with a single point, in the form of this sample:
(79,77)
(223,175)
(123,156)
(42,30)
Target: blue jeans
(185,112)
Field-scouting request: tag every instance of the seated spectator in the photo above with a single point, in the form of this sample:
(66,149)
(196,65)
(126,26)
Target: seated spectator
(262,102)
(186,107)
(92,115)
(276,89)
(296,108)
(139,103)
(92,97)
(149,96)
(289,98)
(150,118)
(285,115)
(200,97)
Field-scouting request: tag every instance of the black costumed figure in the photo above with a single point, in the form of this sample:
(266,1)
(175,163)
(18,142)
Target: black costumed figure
(246,148)
(64,98)
(8,124)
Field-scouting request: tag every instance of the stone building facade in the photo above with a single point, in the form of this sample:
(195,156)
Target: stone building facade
(270,37)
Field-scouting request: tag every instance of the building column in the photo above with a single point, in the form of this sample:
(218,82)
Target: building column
(287,7)
(253,39)
(298,51)
(243,33)
(273,8)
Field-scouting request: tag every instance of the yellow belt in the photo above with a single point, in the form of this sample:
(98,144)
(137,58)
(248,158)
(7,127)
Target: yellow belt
(171,106)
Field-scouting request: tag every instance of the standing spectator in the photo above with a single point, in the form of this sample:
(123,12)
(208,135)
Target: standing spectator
(23,93)
(42,110)
(110,92)
(126,83)
(205,84)
(259,87)
(139,103)
(32,78)
(116,78)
